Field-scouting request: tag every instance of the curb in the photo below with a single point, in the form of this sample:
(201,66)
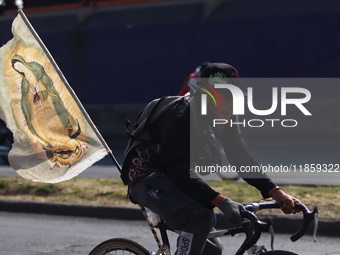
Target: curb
(282,224)
(77,210)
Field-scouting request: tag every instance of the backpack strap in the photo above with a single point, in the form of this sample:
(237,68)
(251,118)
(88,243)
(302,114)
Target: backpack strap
(148,115)
(146,123)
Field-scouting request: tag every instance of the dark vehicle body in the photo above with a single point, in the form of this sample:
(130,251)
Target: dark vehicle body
(6,140)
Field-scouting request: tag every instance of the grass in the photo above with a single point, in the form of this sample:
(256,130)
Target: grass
(112,192)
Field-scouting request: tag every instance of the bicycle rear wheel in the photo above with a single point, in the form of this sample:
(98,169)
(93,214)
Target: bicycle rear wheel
(119,246)
(279,252)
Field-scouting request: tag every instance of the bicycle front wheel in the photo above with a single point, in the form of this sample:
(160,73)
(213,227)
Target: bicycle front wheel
(119,246)
(279,252)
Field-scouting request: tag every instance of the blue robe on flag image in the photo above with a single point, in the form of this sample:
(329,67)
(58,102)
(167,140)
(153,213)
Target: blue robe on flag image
(53,140)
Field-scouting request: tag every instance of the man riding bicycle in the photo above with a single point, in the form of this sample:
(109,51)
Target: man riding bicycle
(160,175)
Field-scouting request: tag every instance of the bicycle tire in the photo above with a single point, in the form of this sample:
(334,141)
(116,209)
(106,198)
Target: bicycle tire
(119,244)
(279,252)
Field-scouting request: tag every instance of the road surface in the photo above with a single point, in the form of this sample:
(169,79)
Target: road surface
(34,234)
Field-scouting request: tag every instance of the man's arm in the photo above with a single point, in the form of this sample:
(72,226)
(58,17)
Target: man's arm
(239,156)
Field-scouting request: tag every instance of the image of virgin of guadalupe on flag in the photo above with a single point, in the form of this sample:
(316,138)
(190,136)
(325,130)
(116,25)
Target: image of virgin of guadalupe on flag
(54,138)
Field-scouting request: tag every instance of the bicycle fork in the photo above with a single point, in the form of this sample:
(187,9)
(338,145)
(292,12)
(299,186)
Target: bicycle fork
(258,249)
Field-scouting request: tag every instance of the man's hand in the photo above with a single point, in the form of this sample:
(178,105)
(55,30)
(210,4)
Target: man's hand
(288,202)
(231,211)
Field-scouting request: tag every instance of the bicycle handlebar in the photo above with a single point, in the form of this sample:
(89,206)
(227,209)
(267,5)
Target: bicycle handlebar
(260,226)
(308,216)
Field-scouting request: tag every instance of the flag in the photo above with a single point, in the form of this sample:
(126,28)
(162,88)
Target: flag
(54,138)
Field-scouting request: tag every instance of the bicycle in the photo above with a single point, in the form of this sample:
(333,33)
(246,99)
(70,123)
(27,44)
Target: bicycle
(252,227)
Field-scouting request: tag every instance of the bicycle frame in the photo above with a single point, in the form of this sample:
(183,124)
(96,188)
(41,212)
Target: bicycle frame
(164,246)
(247,227)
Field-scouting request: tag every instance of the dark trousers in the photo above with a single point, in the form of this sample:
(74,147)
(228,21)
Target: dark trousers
(180,212)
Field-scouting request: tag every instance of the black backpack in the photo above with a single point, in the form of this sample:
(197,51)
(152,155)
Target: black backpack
(139,131)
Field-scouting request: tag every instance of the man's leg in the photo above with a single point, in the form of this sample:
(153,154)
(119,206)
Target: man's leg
(178,210)
(193,238)
(213,246)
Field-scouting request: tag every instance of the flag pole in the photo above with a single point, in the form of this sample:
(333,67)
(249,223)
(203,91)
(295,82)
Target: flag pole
(42,45)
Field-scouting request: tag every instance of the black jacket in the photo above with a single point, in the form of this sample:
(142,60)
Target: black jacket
(172,132)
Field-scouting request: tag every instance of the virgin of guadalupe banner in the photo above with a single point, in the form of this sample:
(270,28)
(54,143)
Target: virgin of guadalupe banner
(54,139)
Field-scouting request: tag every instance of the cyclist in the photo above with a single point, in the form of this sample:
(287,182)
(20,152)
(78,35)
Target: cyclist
(160,176)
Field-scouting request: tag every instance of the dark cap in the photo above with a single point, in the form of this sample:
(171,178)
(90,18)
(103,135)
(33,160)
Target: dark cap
(219,70)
